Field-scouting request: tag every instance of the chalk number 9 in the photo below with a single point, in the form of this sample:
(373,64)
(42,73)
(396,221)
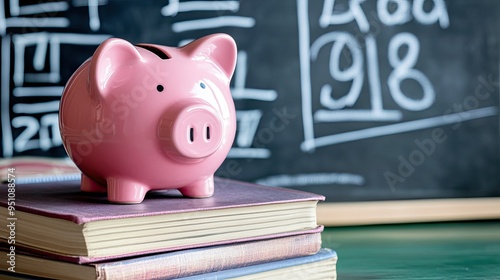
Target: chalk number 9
(403,69)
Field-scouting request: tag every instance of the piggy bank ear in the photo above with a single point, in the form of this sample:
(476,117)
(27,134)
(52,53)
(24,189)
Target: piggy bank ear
(109,57)
(218,48)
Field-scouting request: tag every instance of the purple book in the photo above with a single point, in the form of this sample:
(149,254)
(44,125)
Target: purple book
(171,265)
(60,221)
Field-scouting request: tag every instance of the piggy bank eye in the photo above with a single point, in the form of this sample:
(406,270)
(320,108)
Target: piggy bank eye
(202,85)
(159,88)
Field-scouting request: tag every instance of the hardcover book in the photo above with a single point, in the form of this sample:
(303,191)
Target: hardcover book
(320,266)
(57,219)
(38,170)
(176,264)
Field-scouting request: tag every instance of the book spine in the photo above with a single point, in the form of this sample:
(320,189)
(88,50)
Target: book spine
(194,262)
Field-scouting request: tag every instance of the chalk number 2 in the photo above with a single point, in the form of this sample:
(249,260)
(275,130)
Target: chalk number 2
(47,129)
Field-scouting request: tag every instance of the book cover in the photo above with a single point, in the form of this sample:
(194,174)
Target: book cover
(85,227)
(176,264)
(38,170)
(318,266)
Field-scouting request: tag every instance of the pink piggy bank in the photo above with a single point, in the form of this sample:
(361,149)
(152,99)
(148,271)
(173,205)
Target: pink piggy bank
(150,117)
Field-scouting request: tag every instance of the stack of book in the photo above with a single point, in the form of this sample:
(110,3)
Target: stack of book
(244,231)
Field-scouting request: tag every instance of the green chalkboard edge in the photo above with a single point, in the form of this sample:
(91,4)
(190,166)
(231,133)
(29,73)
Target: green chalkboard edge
(408,211)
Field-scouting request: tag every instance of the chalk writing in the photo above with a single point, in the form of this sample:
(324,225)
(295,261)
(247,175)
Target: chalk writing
(47,47)
(402,54)
(356,70)
(312,179)
(18,15)
(93,11)
(30,92)
(248,120)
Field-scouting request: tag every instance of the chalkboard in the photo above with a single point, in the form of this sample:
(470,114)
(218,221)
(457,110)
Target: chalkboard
(357,100)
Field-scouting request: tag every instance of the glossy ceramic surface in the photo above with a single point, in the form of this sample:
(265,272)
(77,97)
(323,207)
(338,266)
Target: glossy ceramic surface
(144,117)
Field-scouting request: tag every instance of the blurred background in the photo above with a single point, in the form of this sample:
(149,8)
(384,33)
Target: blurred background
(388,108)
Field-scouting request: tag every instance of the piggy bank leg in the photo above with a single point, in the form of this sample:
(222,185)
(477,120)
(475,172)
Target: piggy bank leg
(199,189)
(126,191)
(89,185)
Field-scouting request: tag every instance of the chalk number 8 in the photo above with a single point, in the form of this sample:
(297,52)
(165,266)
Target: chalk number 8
(403,69)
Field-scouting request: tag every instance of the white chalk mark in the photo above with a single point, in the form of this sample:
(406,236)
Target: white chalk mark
(36,108)
(305,72)
(64,38)
(353,73)
(330,17)
(7,143)
(14,7)
(184,42)
(399,128)
(41,40)
(93,10)
(94,21)
(18,75)
(83,3)
(47,130)
(37,91)
(174,7)
(285,180)
(42,8)
(34,23)
(80,39)
(51,122)
(52,78)
(399,16)
(374,75)
(403,69)
(410,57)
(359,15)
(249,153)
(3,22)
(255,94)
(357,115)
(327,17)
(240,92)
(171,9)
(438,13)
(40,53)
(54,60)
(248,121)
(20,43)
(199,24)
(25,140)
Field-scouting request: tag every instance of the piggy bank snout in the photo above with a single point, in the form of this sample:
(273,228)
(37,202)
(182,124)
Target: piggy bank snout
(193,132)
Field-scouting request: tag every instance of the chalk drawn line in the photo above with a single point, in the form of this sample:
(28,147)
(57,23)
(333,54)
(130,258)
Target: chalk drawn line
(7,142)
(36,108)
(239,91)
(288,180)
(174,6)
(401,127)
(305,71)
(249,153)
(210,23)
(37,91)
